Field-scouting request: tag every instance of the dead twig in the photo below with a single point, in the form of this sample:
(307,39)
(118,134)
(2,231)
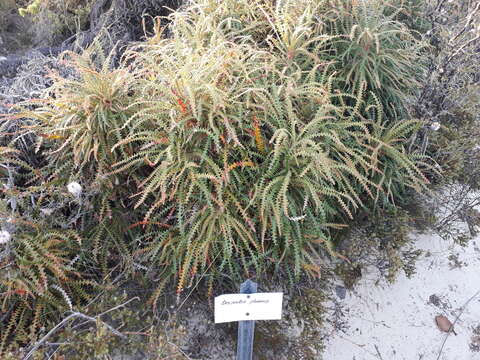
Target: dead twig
(378,352)
(361,346)
(462,309)
(81,316)
(61,324)
(180,350)
(105,312)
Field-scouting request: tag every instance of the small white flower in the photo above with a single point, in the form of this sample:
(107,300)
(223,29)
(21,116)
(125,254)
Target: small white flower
(435,126)
(74,188)
(297,218)
(4,237)
(47,211)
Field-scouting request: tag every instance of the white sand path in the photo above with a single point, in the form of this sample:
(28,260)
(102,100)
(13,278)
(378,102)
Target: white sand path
(396,321)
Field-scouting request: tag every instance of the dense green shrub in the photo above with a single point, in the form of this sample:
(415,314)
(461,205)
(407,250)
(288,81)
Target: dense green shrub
(375,51)
(249,159)
(39,277)
(235,145)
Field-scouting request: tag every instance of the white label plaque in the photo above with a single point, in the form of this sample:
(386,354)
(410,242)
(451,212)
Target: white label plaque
(240,307)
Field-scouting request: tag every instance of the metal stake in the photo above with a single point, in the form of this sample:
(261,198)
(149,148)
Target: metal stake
(246,328)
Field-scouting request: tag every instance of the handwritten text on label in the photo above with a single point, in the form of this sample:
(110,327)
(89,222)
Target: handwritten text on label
(241,307)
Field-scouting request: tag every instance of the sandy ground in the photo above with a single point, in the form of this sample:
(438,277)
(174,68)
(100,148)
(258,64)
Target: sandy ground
(397,321)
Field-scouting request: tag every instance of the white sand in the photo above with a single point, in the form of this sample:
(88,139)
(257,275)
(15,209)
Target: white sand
(398,319)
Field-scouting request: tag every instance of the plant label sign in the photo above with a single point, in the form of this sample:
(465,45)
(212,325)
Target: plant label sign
(243,307)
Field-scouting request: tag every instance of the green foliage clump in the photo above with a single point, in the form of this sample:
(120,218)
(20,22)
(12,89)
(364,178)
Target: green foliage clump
(236,152)
(253,158)
(38,277)
(234,146)
(375,51)
(33,8)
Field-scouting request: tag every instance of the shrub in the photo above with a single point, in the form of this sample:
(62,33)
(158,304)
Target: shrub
(87,113)
(237,144)
(38,277)
(52,21)
(375,51)
(450,103)
(252,159)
